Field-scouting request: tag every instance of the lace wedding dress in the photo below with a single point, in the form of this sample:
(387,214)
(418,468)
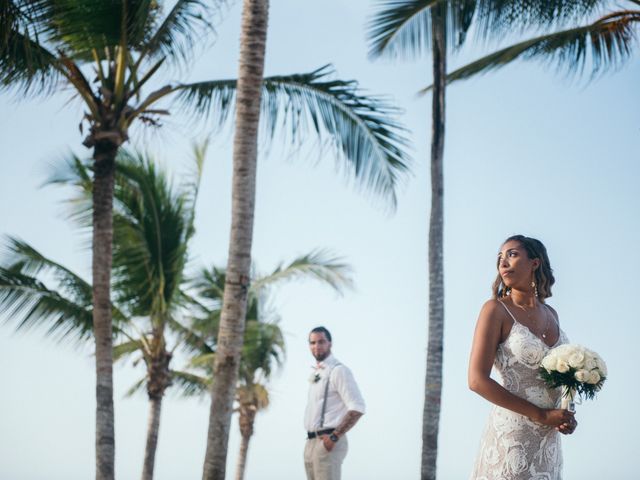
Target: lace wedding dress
(514,447)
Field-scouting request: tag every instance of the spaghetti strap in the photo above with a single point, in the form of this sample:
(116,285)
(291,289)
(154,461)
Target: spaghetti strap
(508,311)
(553,315)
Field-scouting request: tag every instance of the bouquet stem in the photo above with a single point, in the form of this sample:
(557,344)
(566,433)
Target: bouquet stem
(567,402)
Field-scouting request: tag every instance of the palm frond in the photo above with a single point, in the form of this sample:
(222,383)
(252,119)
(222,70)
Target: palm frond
(136,387)
(319,264)
(204,360)
(30,303)
(497,18)
(210,284)
(191,187)
(127,348)
(175,37)
(190,384)
(84,25)
(253,395)
(262,350)
(189,338)
(152,226)
(606,43)
(361,128)
(76,173)
(26,66)
(19,256)
(66,311)
(213,100)
(400,28)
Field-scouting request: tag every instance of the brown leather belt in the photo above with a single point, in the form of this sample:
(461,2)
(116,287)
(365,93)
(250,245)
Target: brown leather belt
(327,431)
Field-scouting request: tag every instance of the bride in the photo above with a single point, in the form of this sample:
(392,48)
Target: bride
(514,332)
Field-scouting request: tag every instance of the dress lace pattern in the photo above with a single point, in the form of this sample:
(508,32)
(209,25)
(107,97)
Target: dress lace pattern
(514,447)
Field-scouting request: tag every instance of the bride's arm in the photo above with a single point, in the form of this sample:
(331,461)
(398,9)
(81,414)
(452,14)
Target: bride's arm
(486,339)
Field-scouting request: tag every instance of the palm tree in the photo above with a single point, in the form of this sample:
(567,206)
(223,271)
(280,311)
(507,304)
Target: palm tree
(153,224)
(253,39)
(263,344)
(408,28)
(603,43)
(50,46)
(230,336)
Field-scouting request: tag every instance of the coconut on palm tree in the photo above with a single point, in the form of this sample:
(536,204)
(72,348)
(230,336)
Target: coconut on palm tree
(108,53)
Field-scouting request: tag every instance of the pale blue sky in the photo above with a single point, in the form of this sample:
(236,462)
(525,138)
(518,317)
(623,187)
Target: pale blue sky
(526,152)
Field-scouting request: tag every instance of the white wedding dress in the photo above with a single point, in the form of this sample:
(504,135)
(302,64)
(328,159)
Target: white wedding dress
(514,447)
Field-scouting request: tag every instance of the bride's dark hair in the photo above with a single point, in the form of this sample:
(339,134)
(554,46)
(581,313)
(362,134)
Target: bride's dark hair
(543,274)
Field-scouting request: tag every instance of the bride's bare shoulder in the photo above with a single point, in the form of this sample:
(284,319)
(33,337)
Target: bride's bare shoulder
(492,307)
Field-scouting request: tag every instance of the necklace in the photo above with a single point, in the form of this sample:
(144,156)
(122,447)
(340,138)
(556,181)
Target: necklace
(545,331)
(527,311)
(547,323)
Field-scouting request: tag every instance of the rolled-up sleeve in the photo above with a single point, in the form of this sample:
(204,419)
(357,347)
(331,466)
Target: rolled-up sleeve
(347,388)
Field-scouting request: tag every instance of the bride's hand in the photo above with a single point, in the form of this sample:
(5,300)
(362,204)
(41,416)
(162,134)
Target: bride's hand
(556,417)
(569,427)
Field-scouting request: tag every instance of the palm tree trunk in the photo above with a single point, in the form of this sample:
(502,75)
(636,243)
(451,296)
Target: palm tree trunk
(158,380)
(242,457)
(155,407)
(230,335)
(433,381)
(104,170)
(246,419)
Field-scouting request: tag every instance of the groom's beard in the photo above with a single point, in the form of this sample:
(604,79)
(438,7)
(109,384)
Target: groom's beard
(321,356)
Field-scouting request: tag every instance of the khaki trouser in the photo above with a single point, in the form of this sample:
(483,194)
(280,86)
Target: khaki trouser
(323,465)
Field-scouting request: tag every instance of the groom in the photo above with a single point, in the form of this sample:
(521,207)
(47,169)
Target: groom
(334,406)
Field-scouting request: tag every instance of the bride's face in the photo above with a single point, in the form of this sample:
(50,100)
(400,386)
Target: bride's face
(515,267)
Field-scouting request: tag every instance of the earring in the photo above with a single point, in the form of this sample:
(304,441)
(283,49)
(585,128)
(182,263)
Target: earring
(535,288)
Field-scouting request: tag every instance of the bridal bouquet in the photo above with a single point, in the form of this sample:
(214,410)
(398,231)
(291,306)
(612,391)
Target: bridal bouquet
(575,369)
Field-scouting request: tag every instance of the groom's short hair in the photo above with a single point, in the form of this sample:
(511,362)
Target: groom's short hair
(326,332)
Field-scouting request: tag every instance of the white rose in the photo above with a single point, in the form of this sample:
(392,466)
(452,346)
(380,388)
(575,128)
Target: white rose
(590,362)
(576,359)
(569,348)
(602,367)
(594,377)
(549,362)
(562,366)
(582,375)
(560,351)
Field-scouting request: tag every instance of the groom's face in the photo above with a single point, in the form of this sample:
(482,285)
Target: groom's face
(319,345)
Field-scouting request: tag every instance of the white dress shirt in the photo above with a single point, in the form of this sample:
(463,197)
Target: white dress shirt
(343,395)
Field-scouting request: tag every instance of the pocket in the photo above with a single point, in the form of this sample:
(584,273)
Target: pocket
(323,449)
